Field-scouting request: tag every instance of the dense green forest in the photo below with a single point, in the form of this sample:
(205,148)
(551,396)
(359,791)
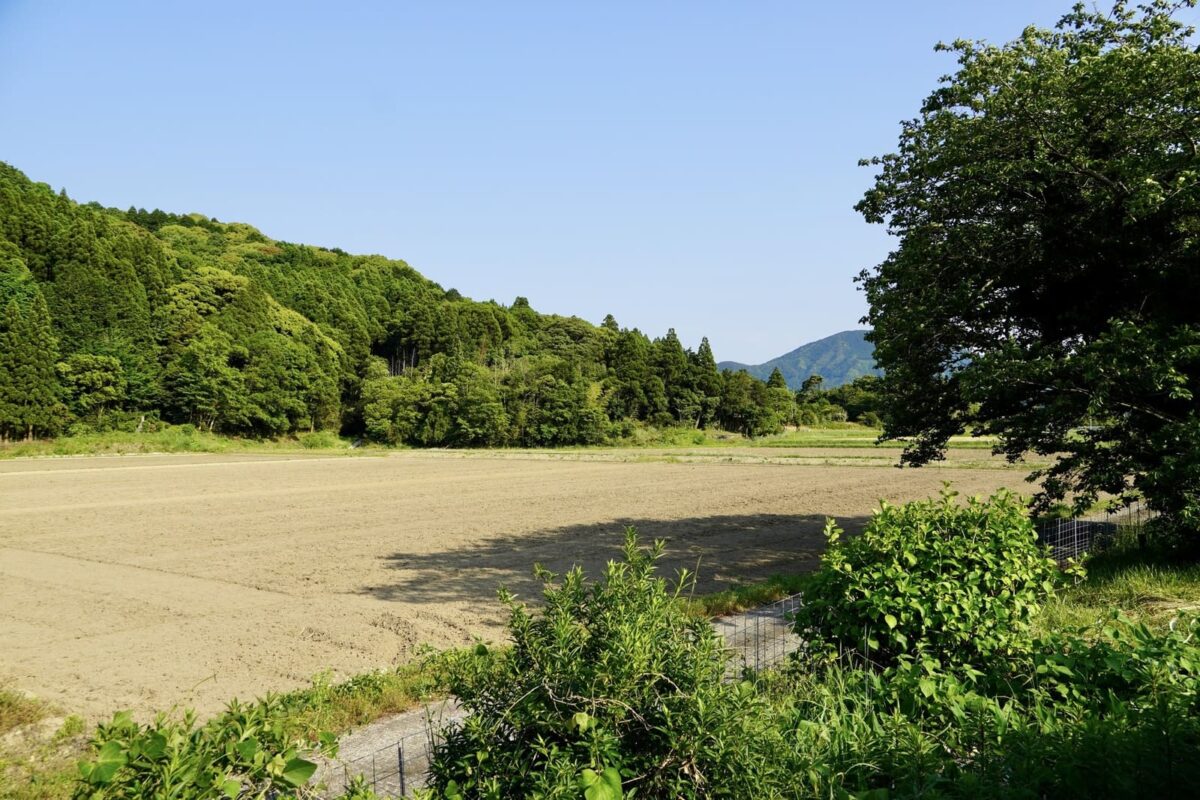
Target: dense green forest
(123,319)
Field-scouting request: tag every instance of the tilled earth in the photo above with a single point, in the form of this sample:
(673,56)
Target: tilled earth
(152,582)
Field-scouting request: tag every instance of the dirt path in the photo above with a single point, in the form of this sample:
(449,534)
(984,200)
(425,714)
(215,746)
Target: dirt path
(155,581)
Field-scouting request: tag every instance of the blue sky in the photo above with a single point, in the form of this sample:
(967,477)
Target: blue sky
(689,165)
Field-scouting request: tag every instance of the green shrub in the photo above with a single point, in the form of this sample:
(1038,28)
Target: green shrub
(245,752)
(320,440)
(934,578)
(870,419)
(612,687)
(252,750)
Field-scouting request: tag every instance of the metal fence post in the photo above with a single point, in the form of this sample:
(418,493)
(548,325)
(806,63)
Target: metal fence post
(757,642)
(400,764)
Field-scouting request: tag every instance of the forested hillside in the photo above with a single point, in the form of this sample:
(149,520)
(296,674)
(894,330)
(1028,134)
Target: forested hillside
(119,319)
(839,359)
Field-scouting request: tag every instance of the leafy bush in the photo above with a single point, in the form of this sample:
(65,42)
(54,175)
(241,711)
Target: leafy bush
(935,578)
(245,752)
(612,687)
(257,750)
(320,440)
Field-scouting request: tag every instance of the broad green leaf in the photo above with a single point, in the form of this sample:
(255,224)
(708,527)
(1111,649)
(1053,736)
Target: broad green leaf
(108,761)
(247,748)
(155,746)
(297,771)
(603,786)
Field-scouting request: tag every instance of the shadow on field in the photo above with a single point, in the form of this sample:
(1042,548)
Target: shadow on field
(723,550)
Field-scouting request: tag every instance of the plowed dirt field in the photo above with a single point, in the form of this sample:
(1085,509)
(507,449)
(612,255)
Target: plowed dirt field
(148,582)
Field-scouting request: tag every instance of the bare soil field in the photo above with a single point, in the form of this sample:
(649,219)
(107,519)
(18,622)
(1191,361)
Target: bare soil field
(152,582)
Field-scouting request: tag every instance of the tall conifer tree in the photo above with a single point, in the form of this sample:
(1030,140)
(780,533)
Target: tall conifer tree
(30,394)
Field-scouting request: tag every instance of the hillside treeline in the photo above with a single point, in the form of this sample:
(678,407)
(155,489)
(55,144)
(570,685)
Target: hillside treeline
(113,319)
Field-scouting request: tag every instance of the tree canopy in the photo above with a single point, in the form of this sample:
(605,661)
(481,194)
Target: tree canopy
(1047,206)
(109,316)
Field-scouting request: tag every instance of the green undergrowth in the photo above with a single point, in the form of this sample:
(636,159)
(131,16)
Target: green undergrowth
(169,439)
(608,693)
(38,748)
(156,759)
(18,710)
(848,435)
(333,706)
(1146,586)
(746,596)
(164,438)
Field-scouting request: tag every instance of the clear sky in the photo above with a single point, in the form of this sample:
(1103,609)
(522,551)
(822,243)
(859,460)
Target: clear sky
(689,165)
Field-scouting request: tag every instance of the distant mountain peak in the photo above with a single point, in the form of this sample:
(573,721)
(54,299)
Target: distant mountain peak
(838,359)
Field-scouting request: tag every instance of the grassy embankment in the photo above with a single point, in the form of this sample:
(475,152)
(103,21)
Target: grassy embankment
(170,439)
(187,439)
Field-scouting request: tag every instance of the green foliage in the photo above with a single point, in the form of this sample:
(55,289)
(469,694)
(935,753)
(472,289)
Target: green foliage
(216,325)
(937,579)
(860,398)
(1111,718)
(1046,202)
(746,405)
(242,753)
(1106,711)
(745,596)
(252,750)
(30,392)
(610,690)
(93,383)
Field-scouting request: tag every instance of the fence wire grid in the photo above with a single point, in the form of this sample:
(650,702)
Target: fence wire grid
(761,638)
(392,771)
(1072,538)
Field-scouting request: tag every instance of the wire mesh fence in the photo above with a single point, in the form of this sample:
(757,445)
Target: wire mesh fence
(1072,538)
(760,638)
(392,771)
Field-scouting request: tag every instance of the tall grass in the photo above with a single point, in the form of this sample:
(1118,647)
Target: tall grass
(169,439)
(1147,586)
(746,596)
(17,710)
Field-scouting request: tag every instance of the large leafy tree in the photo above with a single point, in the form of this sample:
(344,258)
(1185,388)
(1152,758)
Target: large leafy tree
(1044,288)
(94,384)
